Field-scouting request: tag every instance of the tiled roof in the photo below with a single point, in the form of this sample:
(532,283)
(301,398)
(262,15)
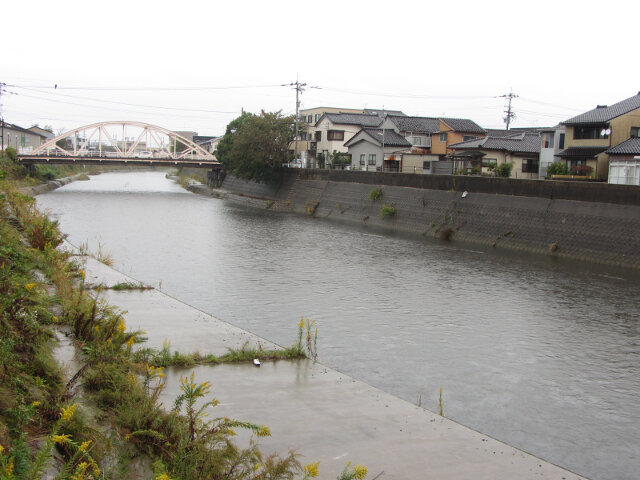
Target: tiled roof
(581,152)
(391,138)
(602,114)
(381,113)
(628,147)
(354,119)
(494,132)
(463,125)
(21,129)
(415,124)
(517,142)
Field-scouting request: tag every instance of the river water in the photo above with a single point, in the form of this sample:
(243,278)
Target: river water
(540,353)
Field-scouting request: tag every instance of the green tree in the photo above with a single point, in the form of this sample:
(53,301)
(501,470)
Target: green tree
(254,147)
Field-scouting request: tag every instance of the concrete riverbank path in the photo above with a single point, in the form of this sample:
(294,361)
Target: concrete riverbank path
(323,414)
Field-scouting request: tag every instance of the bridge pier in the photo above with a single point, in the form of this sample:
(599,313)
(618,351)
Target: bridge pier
(215,178)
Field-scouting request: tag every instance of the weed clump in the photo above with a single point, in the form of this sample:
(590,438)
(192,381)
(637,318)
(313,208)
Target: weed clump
(375,194)
(387,211)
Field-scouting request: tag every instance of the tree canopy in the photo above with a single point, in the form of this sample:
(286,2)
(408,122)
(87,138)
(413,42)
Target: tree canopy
(254,147)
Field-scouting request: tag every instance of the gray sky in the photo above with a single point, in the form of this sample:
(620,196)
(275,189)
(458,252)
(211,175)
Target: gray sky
(172,63)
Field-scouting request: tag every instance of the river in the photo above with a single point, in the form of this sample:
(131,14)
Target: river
(540,353)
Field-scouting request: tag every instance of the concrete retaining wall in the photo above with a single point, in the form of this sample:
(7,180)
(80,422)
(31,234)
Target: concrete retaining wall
(588,221)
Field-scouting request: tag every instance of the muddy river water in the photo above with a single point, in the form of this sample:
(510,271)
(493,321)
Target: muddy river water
(541,354)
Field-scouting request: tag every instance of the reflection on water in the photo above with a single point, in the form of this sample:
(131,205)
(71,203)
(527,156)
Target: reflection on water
(540,353)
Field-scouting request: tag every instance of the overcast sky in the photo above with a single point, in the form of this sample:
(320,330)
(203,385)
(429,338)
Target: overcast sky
(194,65)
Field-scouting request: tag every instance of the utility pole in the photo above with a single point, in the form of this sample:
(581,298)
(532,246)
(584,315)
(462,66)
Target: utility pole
(299,88)
(510,114)
(1,119)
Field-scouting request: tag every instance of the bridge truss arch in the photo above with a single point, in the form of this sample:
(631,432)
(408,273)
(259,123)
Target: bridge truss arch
(138,139)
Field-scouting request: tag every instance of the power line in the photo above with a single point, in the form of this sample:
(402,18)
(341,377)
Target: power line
(108,108)
(138,89)
(123,103)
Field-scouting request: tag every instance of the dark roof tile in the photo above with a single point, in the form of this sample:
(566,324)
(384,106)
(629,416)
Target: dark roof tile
(602,114)
(580,152)
(517,142)
(354,119)
(391,138)
(415,124)
(463,125)
(628,147)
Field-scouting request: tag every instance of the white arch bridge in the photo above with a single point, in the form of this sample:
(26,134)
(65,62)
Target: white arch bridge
(121,143)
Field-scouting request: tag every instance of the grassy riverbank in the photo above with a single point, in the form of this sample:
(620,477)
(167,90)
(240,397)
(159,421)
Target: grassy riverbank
(48,424)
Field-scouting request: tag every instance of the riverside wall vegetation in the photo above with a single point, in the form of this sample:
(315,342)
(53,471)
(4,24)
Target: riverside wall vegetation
(594,222)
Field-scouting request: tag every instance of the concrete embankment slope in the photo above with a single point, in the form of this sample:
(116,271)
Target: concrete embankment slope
(586,221)
(322,414)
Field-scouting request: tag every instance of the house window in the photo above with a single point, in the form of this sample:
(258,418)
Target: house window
(443,137)
(362,155)
(530,165)
(547,140)
(635,132)
(335,135)
(317,117)
(426,165)
(487,161)
(318,135)
(372,159)
(467,137)
(590,132)
(561,143)
(417,141)
(309,118)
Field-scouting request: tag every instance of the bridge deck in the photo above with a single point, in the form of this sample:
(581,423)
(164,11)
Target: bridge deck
(108,160)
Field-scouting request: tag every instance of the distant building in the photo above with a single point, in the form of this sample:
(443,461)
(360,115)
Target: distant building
(377,149)
(593,135)
(520,149)
(22,139)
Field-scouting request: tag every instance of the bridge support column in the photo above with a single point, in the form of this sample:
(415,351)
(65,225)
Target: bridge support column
(215,178)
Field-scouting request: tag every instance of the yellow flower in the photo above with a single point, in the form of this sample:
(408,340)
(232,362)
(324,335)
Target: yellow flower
(82,274)
(84,446)
(67,413)
(54,319)
(29,286)
(94,466)
(130,342)
(301,324)
(1,449)
(360,471)
(122,326)
(163,476)
(231,432)
(312,469)
(9,468)
(35,404)
(127,437)
(97,328)
(264,431)
(61,438)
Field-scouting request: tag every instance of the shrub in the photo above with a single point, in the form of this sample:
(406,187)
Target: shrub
(504,170)
(557,168)
(387,211)
(584,170)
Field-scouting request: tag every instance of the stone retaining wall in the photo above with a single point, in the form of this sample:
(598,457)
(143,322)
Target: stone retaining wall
(588,221)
